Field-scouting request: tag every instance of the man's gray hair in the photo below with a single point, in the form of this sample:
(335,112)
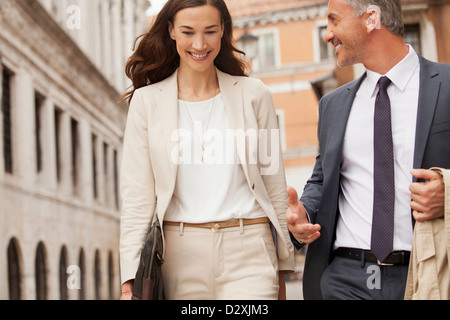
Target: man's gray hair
(390,12)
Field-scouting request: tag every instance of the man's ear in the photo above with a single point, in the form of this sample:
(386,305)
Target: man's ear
(373,14)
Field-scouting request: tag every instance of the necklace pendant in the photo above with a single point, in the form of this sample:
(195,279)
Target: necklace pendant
(201,138)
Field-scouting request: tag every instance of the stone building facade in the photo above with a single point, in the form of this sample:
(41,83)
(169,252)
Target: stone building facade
(61,131)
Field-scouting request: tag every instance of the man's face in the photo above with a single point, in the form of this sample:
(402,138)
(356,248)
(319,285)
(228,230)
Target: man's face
(346,32)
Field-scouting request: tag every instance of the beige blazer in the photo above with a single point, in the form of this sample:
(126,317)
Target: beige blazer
(148,174)
(429,268)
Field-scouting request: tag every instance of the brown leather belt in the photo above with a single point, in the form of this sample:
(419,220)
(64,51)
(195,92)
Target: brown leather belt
(219,225)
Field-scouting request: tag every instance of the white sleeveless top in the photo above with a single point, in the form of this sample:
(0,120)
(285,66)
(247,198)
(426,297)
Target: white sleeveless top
(211,185)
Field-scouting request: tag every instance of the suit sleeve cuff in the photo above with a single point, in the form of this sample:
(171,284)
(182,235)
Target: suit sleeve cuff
(299,244)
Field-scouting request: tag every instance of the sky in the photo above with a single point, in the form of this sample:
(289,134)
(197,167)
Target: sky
(156,6)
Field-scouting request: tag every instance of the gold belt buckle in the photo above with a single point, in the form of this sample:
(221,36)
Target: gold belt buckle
(217,227)
(384,264)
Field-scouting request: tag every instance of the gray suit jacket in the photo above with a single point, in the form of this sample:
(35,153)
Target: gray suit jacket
(321,193)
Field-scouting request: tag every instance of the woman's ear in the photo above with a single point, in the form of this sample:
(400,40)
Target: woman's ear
(171,31)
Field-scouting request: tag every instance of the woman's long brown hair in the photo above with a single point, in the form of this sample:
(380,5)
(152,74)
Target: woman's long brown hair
(156,56)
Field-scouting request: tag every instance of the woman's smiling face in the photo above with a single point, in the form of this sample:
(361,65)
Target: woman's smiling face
(198,34)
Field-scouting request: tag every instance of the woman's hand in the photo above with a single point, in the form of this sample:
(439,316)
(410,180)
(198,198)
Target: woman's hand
(127,290)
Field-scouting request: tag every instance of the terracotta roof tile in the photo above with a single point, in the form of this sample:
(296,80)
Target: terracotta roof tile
(239,8)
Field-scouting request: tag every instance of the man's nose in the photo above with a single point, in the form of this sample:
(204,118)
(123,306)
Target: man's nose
(328,35)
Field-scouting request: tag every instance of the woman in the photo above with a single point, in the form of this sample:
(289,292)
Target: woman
(195,126)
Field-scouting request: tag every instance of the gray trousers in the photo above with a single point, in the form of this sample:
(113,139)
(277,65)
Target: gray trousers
(348,279)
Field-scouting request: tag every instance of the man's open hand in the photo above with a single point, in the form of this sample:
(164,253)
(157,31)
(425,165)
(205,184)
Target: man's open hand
(297,220)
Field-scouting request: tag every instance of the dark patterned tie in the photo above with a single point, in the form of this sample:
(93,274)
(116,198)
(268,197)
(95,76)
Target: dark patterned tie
(383,175)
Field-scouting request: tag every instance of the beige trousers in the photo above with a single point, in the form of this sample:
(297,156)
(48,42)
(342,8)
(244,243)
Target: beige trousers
(237,263)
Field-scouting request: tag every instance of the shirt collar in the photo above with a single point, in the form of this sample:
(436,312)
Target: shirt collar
(400,74)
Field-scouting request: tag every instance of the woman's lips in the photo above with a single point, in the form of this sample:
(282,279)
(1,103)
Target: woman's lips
(199,57)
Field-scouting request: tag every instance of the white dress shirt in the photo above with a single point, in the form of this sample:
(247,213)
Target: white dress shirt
(356,198)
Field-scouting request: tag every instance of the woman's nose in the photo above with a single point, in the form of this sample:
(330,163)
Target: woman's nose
(199,43)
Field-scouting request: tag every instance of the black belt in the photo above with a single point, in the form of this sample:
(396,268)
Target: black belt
(395,258)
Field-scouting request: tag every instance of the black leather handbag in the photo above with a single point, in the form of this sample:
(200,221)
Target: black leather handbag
(148,283)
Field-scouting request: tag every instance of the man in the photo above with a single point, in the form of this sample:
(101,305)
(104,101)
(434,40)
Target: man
(355,211)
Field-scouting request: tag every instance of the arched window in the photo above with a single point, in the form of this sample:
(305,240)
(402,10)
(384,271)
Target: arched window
(82,265)
(63,292)
(111,276)
(54,9)
(6,112)
(97,276)
(41,272)
(14,270)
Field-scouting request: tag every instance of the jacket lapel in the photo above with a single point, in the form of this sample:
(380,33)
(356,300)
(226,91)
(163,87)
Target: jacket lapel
(428,96)
(341,115)
(167,104)
(234,108)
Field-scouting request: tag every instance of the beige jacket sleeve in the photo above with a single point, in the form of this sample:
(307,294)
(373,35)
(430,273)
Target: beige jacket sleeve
(274,177)
(429,268)
(136,175)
